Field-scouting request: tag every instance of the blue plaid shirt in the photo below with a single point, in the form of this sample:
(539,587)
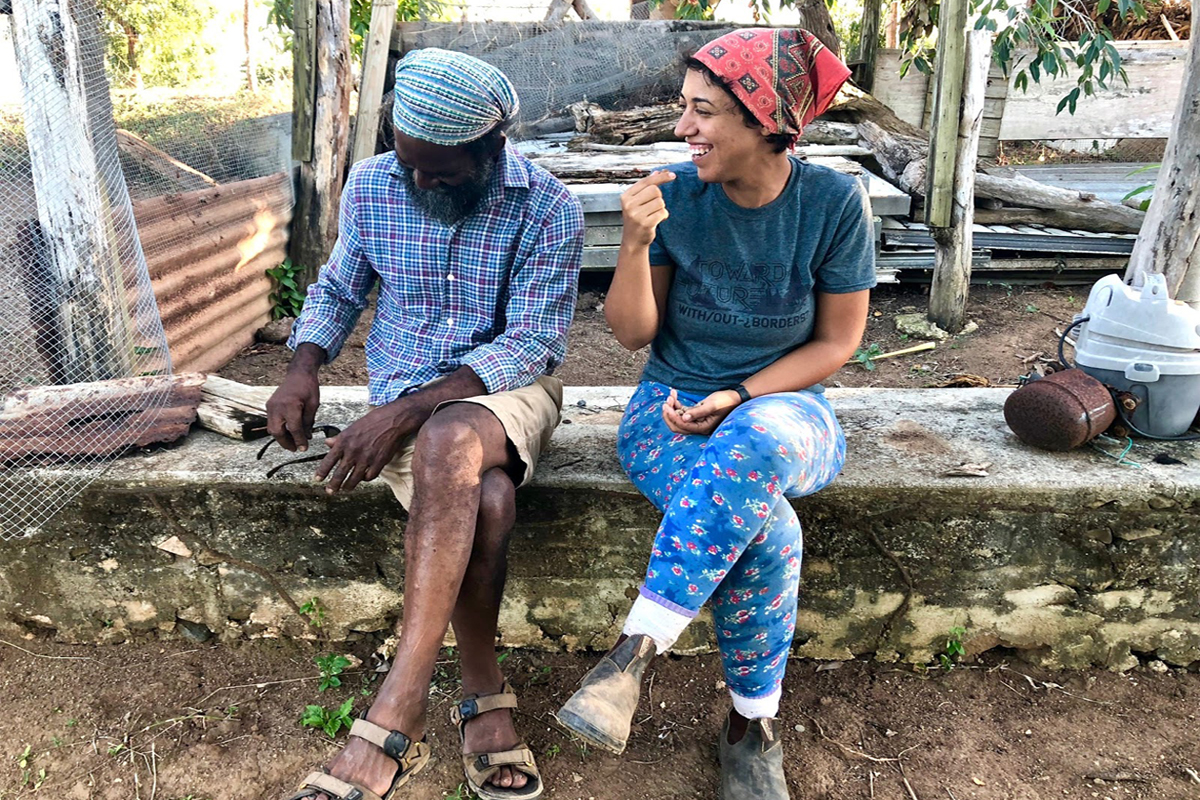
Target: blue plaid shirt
(495,291)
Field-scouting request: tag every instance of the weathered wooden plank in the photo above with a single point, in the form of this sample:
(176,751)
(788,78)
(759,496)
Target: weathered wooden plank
(233,409)
(905,96)
(182,177)
(374,71)
(1143,109)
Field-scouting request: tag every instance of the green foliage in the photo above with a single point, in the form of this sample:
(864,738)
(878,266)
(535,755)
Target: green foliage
(314,611)
(286,301)
(866,356)
(329,720)
(281,16)
(1026,39)
(1146,187)
(954,648)
(156,42)
(332,665)
(25,764)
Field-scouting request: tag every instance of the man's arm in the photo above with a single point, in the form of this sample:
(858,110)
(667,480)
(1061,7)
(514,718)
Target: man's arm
(542,296)
(331,309)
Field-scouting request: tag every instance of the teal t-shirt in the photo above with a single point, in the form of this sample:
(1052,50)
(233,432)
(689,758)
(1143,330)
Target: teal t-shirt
(742,294)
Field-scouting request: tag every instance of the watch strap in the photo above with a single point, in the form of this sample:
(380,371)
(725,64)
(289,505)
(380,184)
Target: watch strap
(742,392)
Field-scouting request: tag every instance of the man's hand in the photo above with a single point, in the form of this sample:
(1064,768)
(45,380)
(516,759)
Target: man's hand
(292,409)
(704,417)
(642,208)
(361,451)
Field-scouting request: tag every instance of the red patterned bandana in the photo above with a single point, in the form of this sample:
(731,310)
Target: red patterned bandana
(785,76)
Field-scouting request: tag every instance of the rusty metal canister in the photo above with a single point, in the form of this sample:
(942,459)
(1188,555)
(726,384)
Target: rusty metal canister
(1060,411)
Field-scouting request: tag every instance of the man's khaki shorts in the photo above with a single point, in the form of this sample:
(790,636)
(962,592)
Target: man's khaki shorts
(529,416)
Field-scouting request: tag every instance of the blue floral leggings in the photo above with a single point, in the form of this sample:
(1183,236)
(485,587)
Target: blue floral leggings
(728,531)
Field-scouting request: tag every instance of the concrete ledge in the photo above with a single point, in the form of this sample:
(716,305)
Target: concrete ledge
(1070,557)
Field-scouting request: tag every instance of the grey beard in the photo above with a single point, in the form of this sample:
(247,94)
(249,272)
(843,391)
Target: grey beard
(450,204)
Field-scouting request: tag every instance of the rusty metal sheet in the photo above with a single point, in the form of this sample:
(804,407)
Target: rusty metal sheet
(207,252)
(100,418)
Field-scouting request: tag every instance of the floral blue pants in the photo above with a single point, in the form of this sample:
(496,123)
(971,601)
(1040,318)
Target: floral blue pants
(728,531)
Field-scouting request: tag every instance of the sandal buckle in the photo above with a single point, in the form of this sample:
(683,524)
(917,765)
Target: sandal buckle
(394,747)
(468,709)
(354,795)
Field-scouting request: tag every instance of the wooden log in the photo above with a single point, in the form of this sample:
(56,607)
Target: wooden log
(320,184)
(182,177)
(83,206)
(1051,218)
(1094,214)
(584,10)
(951,45)
(234,409)
(374,73)
(1169,241)
(100,418)
(952,254)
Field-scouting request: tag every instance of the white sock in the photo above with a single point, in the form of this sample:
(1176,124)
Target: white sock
(766,707)
(653,619)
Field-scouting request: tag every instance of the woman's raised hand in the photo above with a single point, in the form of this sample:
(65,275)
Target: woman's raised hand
(642,208)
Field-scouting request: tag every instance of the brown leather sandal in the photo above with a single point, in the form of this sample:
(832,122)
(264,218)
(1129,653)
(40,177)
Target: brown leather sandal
(480,767)
(410,757)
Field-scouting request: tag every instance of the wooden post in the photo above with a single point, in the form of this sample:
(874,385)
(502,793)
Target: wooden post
(1169,241)
(952,259)
(868,45)
(952,22)
(315,224)
(251,68)
(84,214)
(374,72)
(304,77)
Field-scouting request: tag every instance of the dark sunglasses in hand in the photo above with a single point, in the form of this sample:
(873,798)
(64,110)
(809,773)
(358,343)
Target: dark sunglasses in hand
(328,431)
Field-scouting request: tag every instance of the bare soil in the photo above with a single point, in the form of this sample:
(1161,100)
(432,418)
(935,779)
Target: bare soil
(176,720)
(1016,332)
(179,721)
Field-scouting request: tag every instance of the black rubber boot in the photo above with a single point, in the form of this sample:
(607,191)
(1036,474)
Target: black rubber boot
(752,769)
(601,711)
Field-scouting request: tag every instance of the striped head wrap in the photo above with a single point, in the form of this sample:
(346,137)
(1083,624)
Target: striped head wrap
(450,98)
(785,77)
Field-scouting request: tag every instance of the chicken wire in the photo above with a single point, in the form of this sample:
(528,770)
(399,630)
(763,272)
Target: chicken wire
(77,307)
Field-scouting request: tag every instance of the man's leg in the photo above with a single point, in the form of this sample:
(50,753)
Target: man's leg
(455,449)
(474,620)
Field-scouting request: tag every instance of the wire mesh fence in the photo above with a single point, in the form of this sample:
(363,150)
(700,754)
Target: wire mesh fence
(85,352)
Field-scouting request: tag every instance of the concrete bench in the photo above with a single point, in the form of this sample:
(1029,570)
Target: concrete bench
(1072,558)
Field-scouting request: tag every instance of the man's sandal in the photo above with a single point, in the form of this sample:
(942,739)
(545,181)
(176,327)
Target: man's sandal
(480,767)
(410,757)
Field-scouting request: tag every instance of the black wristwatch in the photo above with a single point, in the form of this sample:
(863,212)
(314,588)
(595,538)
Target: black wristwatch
(742,392)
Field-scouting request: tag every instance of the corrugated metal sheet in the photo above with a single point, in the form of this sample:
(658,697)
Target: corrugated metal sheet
(207,252)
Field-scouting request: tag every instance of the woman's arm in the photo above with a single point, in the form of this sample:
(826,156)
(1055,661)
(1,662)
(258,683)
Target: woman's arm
(837,330)
(637,296)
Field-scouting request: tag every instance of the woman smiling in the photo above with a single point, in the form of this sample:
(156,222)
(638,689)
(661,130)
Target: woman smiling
(748,271)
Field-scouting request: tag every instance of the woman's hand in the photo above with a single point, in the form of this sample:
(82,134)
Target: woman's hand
(642,208)
(704,417)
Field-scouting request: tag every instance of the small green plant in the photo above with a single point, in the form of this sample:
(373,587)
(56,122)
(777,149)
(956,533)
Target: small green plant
(1146,187)
(329,720)
(553,750)
(1031,309)
(332,665)
(954,648)
(314,611)
(288,297)
(461,792)
(866,356)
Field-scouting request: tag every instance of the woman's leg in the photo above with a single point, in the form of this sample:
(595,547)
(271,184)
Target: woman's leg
(716,522)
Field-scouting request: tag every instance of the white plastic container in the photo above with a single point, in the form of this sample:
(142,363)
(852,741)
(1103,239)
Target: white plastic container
(1141,341)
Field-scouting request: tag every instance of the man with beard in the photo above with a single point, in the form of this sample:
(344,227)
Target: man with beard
(476,254)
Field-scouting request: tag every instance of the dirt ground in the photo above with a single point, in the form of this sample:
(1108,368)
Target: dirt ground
(1016,333)
(180,721)
(176,720)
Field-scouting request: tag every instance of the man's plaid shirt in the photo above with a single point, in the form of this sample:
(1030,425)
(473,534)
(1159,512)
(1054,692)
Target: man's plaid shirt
(495,291)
